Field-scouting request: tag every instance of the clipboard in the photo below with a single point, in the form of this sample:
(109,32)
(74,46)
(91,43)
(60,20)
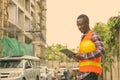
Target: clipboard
(69,53)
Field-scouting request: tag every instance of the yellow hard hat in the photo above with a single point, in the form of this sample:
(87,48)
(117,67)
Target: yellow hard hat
(87,46)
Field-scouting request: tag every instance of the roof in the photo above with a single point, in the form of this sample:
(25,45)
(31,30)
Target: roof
(20,57)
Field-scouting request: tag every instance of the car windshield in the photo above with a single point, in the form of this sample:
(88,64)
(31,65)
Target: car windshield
(10,64)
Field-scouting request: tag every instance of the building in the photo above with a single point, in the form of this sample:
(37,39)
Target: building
(25,20)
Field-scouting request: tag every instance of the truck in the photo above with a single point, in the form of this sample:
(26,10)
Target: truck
(19,68)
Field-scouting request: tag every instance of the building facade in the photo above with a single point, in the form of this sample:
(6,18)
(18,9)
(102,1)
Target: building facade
(25,20)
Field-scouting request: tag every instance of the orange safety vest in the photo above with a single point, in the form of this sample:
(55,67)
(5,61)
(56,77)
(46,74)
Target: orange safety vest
(92,65)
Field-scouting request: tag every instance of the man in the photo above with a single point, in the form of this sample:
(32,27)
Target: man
(65,74)
(90,62)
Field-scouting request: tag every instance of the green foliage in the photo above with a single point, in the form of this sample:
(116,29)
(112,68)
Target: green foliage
(52,52)
(114,25)
(103,30)
(109,34)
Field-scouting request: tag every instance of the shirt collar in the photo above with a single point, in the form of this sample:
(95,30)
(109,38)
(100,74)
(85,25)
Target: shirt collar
(85,34)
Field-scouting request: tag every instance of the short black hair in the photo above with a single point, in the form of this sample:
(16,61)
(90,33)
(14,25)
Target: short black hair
(85,17)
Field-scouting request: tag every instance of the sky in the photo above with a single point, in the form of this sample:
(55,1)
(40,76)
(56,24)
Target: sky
(61,18)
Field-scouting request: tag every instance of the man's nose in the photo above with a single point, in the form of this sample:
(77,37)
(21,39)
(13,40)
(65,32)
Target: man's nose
(79,27)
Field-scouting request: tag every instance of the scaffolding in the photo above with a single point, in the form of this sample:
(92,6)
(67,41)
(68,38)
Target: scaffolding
(3,20)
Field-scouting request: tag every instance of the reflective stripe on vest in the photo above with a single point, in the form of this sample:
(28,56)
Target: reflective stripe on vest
(90,63)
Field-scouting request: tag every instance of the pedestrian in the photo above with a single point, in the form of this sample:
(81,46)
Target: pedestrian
(68,74)
(65,74)
(55,75)
(73,75)
(90,51)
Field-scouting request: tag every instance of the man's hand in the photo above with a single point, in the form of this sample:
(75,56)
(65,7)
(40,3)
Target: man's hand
(78,56)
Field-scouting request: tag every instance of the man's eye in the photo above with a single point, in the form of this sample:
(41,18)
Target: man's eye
(81,25)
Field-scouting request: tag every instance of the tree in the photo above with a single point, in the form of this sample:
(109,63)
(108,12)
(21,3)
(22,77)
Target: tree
(110,34)
(105,33)
(113,41)
(52,52)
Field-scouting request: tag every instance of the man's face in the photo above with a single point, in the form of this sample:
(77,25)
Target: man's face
(82,26)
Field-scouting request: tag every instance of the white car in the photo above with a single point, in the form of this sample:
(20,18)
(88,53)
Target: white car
(19,68)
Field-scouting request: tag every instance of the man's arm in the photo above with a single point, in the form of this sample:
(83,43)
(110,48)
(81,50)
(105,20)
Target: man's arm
(100,51)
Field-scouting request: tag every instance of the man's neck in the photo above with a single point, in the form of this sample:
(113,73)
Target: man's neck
(86,32)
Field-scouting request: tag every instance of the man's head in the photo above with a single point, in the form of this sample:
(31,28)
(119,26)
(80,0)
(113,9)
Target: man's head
(83,23)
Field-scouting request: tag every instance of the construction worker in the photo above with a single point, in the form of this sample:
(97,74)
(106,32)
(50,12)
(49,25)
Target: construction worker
(90,51)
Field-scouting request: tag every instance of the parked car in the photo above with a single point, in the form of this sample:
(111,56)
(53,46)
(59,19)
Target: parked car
(19,68)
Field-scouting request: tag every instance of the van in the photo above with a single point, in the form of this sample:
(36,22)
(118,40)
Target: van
(19,68)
